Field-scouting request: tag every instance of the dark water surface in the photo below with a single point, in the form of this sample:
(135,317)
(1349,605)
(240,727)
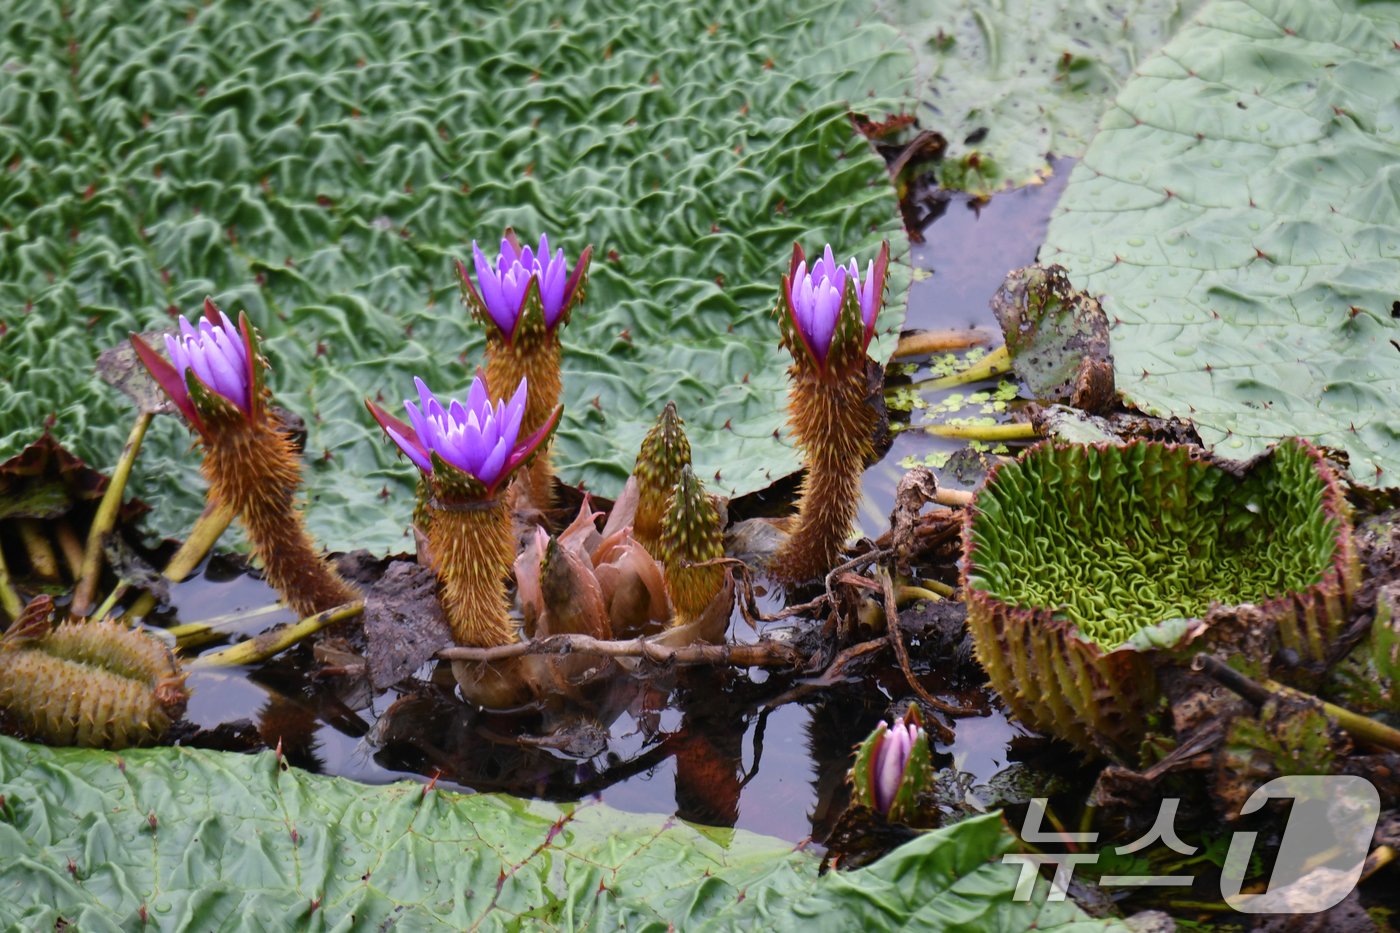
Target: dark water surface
(706,750)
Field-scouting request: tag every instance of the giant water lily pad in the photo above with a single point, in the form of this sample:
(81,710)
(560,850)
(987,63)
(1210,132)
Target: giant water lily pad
(321,165)
(175,839)
(1082,561)
(1238,211)
(1013,83)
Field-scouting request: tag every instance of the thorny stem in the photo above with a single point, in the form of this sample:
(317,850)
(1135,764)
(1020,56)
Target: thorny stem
(106,517)
(272,643)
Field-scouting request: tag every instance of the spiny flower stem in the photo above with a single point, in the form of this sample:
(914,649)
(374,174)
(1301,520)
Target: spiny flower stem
(534,356)
(835,427)
(473,548)
(252,466)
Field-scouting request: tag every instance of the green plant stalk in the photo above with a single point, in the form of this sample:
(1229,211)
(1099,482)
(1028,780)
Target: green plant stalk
(993,364)
(906,594)
(9,599)
(71,547)
(106,517)
(207,530)
(42,557)
(939,587)
(270,644)
(110,602)
(1015,431)
(1363,728)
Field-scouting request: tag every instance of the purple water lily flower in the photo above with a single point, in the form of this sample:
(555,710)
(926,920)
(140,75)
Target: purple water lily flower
(815,295)
(479,438)
(502,288)
(217,352)
(891,758)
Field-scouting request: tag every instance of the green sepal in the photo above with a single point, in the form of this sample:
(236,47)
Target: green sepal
(214,410)
(452,484)
(530,329)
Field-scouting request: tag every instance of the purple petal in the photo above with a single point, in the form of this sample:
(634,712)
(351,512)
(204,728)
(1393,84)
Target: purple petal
(418,422)
(200,365)
(488,286)
(870,298)
(410,450)
(227,379)
(476,395)
(178,357)
(425,395)
(491,464)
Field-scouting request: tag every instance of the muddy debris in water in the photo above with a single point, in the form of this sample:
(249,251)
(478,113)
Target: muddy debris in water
(404,623)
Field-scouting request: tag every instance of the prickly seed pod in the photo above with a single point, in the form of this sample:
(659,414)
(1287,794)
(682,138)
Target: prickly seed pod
(665,452)
(96,684)
(1084,565)
(690,535)
(892,768)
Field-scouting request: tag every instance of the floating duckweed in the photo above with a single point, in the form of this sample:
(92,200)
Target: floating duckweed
(1084,558)
(937,459)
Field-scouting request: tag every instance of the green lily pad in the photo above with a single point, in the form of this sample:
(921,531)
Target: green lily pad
(321,168)
(1238,213)
(1013,83)
(174,839)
